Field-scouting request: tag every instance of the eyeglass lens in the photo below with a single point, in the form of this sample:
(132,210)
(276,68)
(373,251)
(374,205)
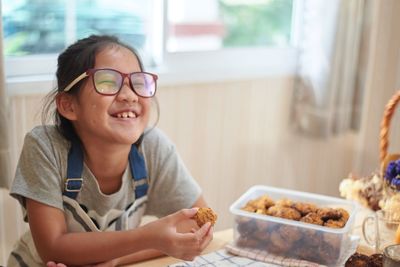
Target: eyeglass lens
(109,82)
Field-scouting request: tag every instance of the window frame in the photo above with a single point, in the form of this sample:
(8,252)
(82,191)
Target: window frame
(25,73)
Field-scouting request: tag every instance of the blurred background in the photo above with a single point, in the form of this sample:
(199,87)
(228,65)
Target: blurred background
(285,93)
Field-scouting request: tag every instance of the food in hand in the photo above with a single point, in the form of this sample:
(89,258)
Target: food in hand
(205,215)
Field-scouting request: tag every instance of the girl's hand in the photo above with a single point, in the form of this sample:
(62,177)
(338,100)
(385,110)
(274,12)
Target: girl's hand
(186,245)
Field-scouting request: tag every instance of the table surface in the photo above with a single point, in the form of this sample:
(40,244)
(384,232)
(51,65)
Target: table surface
(221,238)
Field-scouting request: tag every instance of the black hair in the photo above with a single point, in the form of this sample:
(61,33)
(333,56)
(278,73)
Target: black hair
(72,62)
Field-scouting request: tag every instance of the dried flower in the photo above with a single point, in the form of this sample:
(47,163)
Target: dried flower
(392,175)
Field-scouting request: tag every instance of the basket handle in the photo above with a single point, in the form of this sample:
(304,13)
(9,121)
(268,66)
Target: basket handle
(385,124)
(384,144)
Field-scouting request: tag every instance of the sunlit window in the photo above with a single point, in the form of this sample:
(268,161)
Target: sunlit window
(35,29)
(48,26)
(214,24)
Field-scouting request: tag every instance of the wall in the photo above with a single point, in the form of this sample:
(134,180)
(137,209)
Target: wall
(383,80)
(237,134)
(231,135)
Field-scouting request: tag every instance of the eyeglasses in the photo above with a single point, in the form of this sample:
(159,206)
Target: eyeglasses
(110,81)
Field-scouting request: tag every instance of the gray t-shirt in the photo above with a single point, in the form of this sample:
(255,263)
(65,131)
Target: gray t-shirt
(42,168)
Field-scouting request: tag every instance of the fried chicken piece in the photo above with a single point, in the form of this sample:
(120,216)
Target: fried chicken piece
(357,260)
(278,244)
(284,203)
(304,252)
(284,212)
(261,235)
(259,205)
(313,218)
(333,240)
(246,228)
(249,208)
(334,218)
(266,201)
(345,214)
(304,208)
(376,260)
(329,213)
(205,215)
(247,242)
(303,211)
(334,223)
(327,254)
(311,238)
(290,233)
(264,225)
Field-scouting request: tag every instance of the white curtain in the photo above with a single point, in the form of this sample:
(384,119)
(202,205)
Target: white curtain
(327,68)
(5,175)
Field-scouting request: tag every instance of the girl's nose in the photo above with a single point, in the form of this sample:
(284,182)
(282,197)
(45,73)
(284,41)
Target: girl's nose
(126,93)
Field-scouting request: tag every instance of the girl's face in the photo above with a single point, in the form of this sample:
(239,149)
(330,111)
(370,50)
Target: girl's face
(117,119)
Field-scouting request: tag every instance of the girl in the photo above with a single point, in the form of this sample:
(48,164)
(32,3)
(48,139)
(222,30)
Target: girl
(85,183)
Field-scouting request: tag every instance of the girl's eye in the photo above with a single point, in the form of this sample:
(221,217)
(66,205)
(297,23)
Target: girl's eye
(106,86)
(138,85)
(106,82)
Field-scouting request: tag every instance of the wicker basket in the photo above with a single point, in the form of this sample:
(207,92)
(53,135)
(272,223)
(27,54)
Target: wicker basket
(386,158)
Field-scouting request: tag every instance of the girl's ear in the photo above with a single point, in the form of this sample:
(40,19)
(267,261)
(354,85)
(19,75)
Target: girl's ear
(66,106)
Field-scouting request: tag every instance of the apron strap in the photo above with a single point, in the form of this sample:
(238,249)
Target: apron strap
(139,173)
(73,182)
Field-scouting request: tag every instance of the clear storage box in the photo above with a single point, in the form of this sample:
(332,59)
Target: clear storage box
(291,238)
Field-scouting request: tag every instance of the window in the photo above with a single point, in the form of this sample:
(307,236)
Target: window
(48,26)
(169,34)
(37,30)
(214,24)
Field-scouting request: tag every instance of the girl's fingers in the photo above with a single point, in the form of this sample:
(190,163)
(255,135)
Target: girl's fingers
(207,239)
(195,237)
(203,230)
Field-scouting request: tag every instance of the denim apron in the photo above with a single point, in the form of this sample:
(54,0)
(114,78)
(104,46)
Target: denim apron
(26,255)
(77,219)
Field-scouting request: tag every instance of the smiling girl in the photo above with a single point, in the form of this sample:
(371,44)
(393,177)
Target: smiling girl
(85,182)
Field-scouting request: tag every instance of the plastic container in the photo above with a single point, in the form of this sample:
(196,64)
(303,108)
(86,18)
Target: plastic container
(290,238)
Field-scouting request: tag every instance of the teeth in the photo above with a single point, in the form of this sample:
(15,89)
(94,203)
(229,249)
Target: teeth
(125,115)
